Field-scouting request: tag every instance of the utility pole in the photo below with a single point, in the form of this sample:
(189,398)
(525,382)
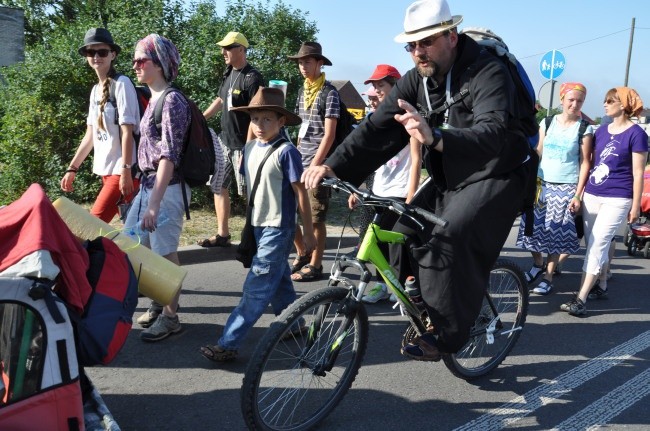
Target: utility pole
(629,53)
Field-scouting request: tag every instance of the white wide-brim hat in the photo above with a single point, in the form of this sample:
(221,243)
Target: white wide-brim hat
(425,18)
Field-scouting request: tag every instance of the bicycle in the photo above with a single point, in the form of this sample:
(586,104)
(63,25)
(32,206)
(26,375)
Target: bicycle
(309,357)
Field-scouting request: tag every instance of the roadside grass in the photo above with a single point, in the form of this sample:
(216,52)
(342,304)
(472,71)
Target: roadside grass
(203,221)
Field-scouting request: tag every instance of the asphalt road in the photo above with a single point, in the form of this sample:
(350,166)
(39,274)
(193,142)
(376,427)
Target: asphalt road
(565,373)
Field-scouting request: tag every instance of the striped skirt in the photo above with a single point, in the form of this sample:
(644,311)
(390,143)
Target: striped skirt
(554,230)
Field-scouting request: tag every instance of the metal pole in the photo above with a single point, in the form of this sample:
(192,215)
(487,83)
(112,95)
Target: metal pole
(550,97)
(629,53)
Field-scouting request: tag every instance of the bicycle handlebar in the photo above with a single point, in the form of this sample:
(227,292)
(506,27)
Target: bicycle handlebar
(366,198)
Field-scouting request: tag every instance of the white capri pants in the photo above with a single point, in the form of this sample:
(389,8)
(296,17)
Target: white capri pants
(602,217)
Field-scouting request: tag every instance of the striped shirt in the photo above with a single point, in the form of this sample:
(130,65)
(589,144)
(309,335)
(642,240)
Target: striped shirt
(316,130)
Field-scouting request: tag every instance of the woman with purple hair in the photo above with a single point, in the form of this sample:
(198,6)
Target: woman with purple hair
(158,209)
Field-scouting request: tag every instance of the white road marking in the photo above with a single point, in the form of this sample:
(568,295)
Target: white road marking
(550,392)
(608,407)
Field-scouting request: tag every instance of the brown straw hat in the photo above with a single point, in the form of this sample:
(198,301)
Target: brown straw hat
(270,99)
(311,49)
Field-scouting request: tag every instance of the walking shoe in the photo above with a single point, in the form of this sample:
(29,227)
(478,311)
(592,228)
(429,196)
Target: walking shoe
(534,273)
(163,327)
(577,308)
(148,317)
(543,288)
(567,305)
(377,293)
(597,292)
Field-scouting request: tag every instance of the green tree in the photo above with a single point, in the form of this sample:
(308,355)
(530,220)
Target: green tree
(43,106)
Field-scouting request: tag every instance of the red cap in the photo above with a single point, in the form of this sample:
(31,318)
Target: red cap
(382,71)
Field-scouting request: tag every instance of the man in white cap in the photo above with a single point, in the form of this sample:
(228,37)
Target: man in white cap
(458,102)
(240,83)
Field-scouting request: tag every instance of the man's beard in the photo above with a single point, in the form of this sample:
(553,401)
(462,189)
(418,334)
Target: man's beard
(429,70)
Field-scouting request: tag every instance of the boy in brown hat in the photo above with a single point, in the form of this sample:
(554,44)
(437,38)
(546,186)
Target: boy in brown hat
(274,219)
(315,139)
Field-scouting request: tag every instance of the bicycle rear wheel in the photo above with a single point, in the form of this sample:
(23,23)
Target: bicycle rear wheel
(509,294)
(293,382)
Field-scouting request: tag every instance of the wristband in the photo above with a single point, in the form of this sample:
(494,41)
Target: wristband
(70,170)
(576,197)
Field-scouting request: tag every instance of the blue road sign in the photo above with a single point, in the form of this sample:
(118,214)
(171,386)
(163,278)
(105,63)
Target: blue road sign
(552,64)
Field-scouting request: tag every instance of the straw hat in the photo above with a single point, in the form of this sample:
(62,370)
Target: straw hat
(270,99)
(425,18)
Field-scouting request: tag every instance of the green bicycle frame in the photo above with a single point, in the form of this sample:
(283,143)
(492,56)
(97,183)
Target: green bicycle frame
(369,252)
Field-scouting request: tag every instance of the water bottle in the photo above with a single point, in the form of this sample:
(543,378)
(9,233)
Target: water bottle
(137,231)
(413,290)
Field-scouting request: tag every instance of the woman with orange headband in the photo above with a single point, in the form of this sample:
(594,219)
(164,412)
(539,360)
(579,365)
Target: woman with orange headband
(613,190)
(565,147)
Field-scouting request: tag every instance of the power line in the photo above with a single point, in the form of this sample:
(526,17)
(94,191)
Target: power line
(579,43)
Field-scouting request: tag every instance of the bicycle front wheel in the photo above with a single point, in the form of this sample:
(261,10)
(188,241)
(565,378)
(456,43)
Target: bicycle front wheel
(498,325)
(296,378)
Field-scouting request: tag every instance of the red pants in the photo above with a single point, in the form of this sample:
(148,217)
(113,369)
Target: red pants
(105,206)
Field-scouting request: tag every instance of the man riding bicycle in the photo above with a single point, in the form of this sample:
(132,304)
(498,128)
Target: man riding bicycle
(474,152)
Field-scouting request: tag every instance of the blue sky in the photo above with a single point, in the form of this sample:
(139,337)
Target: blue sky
(593,36)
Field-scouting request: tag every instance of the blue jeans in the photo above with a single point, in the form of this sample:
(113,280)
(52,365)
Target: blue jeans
(268,281)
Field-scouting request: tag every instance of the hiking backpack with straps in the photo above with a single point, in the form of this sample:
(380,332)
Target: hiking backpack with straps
(346,121)
(581,130)
(143,94)
(198,154)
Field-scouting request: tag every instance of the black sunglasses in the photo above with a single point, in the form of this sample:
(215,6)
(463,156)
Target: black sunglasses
(101,52)
(426,43)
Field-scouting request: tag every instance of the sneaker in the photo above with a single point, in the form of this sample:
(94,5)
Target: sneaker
(163,327)
(148,317)
(377,293)
(543,288)
(597,292)
(577,308)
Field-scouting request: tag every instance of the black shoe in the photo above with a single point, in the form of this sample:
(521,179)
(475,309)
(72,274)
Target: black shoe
(577,308)
(597,292)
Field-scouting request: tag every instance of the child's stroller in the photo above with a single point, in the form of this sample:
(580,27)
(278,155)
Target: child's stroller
(638,235)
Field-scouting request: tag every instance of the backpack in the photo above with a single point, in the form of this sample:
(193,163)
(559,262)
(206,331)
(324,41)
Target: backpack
(106,321)
(525,110)
(143,94)
(198,155)
(346,121)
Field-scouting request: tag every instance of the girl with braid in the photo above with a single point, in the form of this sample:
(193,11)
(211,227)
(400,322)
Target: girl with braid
(113,116)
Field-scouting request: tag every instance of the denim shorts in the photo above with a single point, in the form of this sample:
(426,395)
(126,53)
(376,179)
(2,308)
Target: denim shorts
(165,239)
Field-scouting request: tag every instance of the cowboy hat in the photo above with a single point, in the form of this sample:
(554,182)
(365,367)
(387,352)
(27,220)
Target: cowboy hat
(270,99)
(425,18)
(99,35)
(311,49)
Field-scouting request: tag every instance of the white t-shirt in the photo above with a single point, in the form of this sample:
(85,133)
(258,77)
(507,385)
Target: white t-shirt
(392,178)
(107,158)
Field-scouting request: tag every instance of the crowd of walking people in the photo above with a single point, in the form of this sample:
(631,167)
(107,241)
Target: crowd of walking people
(589,179)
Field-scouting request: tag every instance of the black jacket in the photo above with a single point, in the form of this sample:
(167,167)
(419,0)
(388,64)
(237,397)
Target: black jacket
(484,140)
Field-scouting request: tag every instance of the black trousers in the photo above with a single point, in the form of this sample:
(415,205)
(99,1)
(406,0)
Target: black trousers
(453,264)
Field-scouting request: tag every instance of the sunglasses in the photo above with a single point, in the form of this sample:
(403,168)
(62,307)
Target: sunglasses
(101,52)
(610,101)
(424,44)
(229,47)
(140,62)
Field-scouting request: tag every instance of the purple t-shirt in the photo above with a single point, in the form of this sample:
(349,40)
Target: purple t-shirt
(611,175)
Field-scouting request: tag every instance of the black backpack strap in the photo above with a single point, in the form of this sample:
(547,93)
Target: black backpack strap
(547,122)
(583,128)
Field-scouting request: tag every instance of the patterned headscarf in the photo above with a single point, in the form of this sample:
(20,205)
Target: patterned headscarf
(163,53)
(570,86)
(632,103)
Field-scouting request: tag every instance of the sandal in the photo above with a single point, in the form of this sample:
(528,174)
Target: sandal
(534,273)
(308,273)
(216,353)
(215,241)
(422,348)
(543,288)
(299,262)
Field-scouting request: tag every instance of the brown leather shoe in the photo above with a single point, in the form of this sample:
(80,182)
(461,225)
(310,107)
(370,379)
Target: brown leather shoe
(422,348)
